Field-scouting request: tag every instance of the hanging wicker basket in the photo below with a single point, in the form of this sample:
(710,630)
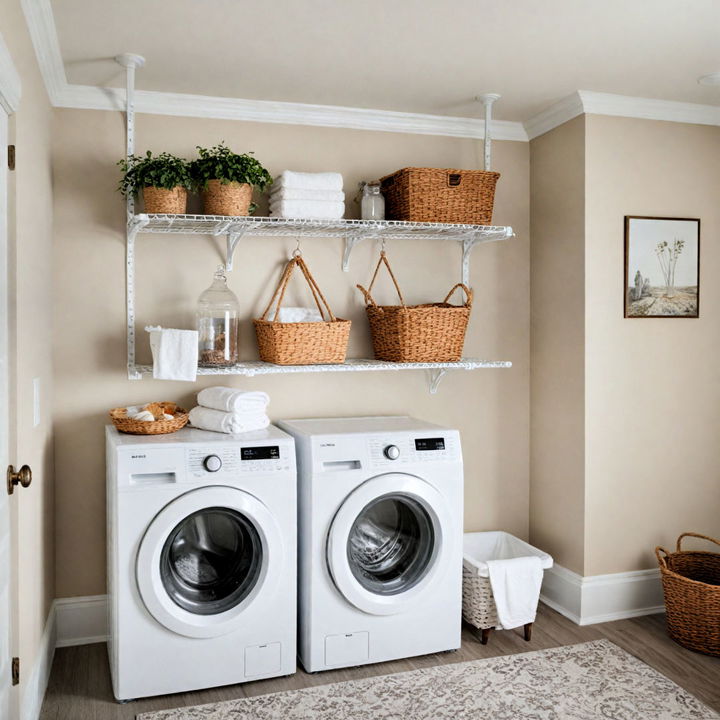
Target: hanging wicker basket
(691,584)
(301,343)
(433,332)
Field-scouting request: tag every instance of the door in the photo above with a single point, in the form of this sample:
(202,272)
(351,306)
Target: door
(390,543)
(5,552)
(206,557)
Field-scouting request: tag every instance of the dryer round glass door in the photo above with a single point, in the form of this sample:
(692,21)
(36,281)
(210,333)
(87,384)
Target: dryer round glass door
(205,558)
(391,542)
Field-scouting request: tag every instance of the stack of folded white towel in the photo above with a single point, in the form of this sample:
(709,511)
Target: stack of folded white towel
(222,409)
(315,196)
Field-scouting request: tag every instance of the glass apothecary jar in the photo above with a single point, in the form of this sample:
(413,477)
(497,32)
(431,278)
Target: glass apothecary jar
(372,204)
(218,316)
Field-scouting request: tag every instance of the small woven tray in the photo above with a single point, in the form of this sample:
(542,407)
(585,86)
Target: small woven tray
(158,427)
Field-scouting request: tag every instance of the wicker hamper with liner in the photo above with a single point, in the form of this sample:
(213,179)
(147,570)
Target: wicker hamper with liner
(691,585)
(440,195)
(301,343)
(433,332)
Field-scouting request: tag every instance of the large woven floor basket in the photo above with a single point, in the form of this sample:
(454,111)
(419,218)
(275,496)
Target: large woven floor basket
(301,343)
(403,333)
(691,583)
(440,195)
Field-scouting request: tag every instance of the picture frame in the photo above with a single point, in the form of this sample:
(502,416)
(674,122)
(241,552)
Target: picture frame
(662,267)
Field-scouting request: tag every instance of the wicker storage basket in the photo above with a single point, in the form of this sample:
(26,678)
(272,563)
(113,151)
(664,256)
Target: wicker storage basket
(691,584)
(478,603)
(443,196)
(302,343)
(229,198)
(159,427)
(160,200)
(416,333)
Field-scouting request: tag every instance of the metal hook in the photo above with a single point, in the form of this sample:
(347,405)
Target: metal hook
(297,252)
(382,245)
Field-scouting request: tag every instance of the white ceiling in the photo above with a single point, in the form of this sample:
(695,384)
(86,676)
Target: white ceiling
(421,56)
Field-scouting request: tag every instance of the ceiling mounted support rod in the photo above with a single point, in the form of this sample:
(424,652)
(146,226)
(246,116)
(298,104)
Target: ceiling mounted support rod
(487,100)
(130,62)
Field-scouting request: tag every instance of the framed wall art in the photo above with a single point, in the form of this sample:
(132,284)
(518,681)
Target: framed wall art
(662,267)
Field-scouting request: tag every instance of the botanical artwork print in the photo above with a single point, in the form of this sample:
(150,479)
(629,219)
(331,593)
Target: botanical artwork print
(577,682)
(661,267)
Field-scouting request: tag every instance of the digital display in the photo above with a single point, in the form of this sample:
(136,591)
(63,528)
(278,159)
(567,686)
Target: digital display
(430,443)
(267,452)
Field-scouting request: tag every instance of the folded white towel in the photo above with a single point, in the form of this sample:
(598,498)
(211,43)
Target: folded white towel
(516,587)
(175,353)
(308,209)
(296,314)
(225,422)
(286,193)
(233,401)
(309,181)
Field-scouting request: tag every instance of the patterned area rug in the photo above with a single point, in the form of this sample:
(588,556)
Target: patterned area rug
(576,682)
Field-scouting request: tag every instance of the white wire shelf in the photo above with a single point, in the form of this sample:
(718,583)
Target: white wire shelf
(255,367)
(354,231)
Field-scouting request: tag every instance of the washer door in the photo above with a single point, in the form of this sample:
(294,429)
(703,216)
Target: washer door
(205,558)
(390,539)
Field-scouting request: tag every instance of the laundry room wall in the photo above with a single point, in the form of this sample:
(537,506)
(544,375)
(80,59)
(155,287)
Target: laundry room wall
(489,407)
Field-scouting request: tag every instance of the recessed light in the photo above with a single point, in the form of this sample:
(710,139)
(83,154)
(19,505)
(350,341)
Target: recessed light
(709,79)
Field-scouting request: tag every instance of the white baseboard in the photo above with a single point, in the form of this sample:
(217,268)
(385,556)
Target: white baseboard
(602,598)
(34,690)
(81,620)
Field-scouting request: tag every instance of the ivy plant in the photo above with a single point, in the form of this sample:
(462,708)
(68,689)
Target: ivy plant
(163,171)
(221,163)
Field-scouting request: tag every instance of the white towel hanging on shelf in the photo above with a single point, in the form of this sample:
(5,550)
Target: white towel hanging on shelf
(175,353)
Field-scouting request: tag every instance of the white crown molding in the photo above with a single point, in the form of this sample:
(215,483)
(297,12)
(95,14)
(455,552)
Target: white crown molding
(554,116)
(10,85)
(41,26)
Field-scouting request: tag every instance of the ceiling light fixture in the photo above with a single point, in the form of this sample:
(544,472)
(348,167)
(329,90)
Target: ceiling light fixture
(709,79)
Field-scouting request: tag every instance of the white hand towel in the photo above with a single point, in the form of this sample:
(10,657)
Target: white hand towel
(296,314)
(309,181)
(233,401)
(225,422)
(516,587)
(175,353)
(308,209)
(286,193)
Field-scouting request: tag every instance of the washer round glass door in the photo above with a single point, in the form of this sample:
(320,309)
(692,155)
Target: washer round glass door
(204,559)
(388,542)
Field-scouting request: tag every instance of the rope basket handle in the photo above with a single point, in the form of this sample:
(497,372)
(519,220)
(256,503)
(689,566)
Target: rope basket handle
(696,535)
(468,294)
(662,561)
(279,293)
(367,293)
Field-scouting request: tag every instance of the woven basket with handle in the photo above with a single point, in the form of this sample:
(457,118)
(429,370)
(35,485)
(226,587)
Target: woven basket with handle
(433,332)
(440,195)
(301,343)
(691,584)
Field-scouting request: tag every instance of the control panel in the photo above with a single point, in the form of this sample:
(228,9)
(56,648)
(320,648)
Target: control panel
(398,450)
(267,458)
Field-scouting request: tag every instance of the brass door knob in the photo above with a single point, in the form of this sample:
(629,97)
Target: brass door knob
(22,477)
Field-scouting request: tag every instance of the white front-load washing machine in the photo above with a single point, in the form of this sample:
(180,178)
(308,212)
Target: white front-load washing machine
(201,559)
(380,539)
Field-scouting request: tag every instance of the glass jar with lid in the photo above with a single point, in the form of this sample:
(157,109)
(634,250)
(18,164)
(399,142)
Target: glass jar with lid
(372,204)
(218,319)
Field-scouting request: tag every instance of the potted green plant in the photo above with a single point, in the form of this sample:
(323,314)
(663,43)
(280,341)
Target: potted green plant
(163,179)
(226,180)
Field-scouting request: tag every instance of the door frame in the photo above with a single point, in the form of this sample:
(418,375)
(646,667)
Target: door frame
(10,92)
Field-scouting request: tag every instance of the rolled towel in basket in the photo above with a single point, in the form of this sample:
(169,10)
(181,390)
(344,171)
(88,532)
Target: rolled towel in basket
(307,209)
(225,422)
(288,193)
(309,181)
(233,401)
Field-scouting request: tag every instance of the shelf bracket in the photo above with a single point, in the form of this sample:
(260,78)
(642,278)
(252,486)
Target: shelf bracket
(468,245)
(233,238)
(435,377)
(351,240)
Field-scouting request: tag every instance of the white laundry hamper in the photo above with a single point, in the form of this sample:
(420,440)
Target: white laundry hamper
(478,603)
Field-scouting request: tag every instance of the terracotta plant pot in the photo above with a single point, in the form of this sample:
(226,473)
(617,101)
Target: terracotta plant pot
(160,200)
(227,198)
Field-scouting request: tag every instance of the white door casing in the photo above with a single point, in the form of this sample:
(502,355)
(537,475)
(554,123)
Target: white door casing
(399,485)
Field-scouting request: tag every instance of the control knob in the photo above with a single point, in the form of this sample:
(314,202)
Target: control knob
(392,452)
(212,463)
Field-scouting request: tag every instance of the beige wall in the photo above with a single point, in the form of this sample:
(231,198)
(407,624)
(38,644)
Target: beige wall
(490,407)
(557,359)
(31,332)
(652,385)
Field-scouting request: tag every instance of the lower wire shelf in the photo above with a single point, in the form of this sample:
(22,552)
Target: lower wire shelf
(256,367)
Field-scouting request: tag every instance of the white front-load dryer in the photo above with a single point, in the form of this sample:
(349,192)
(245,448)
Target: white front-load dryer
(380,539)
(201,559)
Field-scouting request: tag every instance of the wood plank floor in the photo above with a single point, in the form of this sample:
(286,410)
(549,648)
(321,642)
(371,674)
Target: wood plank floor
(79,687)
